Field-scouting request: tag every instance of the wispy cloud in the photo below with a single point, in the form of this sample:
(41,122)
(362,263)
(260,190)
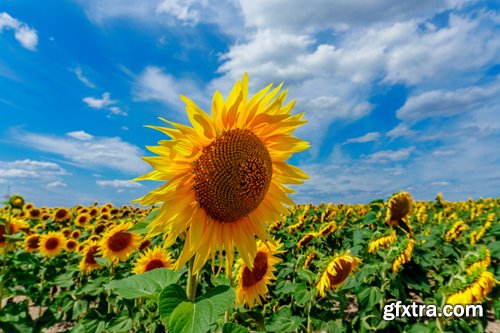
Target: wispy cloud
(105,102)
(95,152)
(25,35)
(368,137)
(79,75)
(118,183)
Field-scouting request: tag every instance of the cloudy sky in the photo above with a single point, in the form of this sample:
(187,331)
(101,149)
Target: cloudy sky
(399,95)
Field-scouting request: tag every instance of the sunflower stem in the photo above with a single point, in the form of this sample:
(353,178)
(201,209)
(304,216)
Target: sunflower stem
(309,321)
(192,281)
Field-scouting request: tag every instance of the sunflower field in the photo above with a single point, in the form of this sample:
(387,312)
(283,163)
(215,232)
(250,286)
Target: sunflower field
(331,268)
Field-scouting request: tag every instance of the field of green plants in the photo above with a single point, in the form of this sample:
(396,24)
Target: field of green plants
(332,268)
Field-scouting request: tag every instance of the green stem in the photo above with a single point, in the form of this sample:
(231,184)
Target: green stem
(192,281)
(4,264)
(108,294)
(309,321)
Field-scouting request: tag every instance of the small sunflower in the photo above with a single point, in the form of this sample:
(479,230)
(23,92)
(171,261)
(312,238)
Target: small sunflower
(474,290)
(16,201)
(306,239)
(226,175)
(145,244)
(398,208)
(75,234)
(61,215)
(252,282)
(478,262)
(383,241)
(336,272)
(52,243)
(14,227)
(404,256)
(35,214)
(82,219)
(310,257)
(66,232)
(328,229)
(157,257)
(32,243)
(71,245)
(117,244)
(90,253)
(456,231)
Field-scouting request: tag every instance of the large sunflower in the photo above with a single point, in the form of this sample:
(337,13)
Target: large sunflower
(225,175)
(157,257)
(117,244)
(252,282)
(52,243)
(336,272)
(474,290)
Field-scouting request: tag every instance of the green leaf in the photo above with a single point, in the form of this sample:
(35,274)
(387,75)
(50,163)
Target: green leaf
(284,322)
(370,218)
(374,298)
(46,320)
(121,323)
(142,226)
(170,297)
(144,285)
(494,248)
(79,308)
(200,315)
(233,328)
(419,328)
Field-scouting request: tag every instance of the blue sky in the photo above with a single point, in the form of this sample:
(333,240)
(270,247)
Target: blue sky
(399,95)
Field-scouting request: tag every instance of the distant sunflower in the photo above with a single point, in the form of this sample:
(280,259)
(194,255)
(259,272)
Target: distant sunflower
(157,257)
(117,244)
(456,231)
(32,243)
(474,290)
(328,229)
(61,215)
(71,245)
(52,243)
(336,272)
(383,241)
(75,234)
(35,213)
(226,174)
(145,244)
(90,253)
(398,208)
(82,219)
(480,262)
(306,239)
(252,282)
(404,256)
(309,258)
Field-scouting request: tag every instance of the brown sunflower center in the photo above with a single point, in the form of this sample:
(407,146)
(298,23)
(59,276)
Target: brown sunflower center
(82,220)
(89,256)
(71,245)
(251,277)
(35,213)
(155,263)
(60,214)
(2,233)
(144,244)
(343,268)
(119,241)
(52,243)
(33,242)
(232,175)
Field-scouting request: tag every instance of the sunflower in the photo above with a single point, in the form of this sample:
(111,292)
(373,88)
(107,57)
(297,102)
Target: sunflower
(145,244)
(71,245)
(456,230)
(61,215)
(157,257)
(82,219)
(476,236)
(398,208)
(117,244)
(226,174)
(52,243)
(16,201)
(383,241)
(88,262)
(34,213)
(252,281)
(404,256)
(309,258)
(14,226)
(306,239)
(32,243)
(474,290)
(75,234)
(328,229)
(337,271)
(479,262)
(66,232)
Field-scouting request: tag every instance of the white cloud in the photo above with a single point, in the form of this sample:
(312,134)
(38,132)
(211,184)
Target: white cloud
(368,137)
(180,9)
(22,171)
(80,135)
(446,103)
(97,152)
(390,155)
(399,131)
(100,103)
(25,35)
(79,74)
(154,84)
(56,184)
(118,184)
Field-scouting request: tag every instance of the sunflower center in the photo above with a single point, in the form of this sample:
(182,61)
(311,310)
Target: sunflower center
(232,175)
(155,263)
(60,214)
(119,241)
(89,256)
(52,243)
(71,244)
(343,269)
(2,233)
(251,277)
(33,242)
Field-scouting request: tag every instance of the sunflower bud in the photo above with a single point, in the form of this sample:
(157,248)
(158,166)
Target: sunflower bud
(16,201)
